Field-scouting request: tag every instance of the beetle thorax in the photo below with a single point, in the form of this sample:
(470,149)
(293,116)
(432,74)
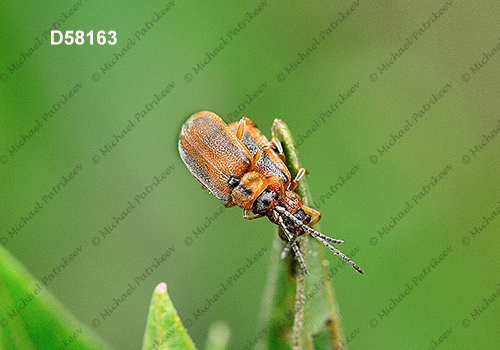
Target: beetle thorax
(251,185)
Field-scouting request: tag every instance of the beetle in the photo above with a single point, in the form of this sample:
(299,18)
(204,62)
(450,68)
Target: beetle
(239,166)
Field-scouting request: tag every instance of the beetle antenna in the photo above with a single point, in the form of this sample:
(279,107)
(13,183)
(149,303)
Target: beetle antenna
(339,253)
(296,249)
(320,237)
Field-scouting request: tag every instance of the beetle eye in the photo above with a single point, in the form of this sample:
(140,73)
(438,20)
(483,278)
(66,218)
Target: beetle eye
(233,182)
(302,216)
(299,214)
(275,195)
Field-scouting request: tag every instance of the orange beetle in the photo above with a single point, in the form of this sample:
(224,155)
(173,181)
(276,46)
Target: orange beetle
(238,165)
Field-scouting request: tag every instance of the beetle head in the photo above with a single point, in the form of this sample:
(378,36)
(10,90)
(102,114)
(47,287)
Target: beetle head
(265,202)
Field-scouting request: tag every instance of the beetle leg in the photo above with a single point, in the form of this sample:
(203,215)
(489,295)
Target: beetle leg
(247,215)
(258,154)
(312,212)
(295,182)
(282,193)
(275,141)
(241,128)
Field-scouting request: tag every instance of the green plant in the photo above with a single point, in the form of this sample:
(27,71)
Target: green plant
(298,312)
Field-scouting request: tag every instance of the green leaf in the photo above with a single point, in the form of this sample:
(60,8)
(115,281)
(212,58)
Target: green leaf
(164,329)
(218,336)
(31,318)
(277,307)
(299,311)
(321,341)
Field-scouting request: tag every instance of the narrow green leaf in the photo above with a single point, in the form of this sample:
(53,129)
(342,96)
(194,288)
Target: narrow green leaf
(164,329)
(299,311)
(277,307)
(31,318)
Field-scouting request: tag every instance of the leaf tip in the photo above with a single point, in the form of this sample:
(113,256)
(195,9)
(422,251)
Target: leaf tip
(161,288)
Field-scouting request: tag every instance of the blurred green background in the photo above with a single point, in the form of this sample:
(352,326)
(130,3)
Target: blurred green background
(258,53)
